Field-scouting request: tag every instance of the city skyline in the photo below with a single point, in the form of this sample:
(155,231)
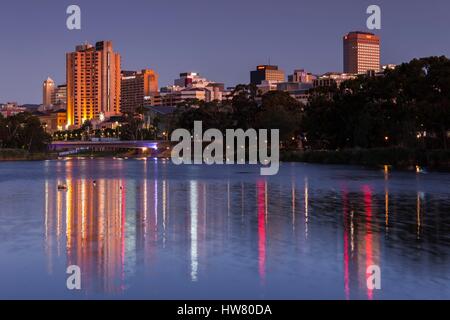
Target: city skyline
(244,153)
(157,43)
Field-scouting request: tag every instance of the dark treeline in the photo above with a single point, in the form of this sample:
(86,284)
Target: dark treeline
(407,107)
(23,131)
(275,110)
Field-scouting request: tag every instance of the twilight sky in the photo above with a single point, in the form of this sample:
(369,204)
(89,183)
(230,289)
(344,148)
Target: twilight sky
(223,40)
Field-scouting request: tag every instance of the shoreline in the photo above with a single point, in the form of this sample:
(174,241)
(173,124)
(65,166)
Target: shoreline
(11,155)
(397,158)
(8,155)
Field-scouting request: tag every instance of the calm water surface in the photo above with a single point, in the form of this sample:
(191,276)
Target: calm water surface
(147,229)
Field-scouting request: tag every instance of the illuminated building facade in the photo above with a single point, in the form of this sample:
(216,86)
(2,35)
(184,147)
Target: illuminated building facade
(10,109)
(190,79)
(93,82)
(136,85)
(361,53)
(332,78)
(53,121)
(301,76)
(268,73)
(59,97)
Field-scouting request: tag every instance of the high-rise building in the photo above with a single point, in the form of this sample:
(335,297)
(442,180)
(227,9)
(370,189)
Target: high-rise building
(48,92)
(59,97)
(266,72)
(361,52)
(93,83)
(136,85)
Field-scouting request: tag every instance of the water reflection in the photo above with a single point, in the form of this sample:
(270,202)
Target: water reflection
(262,220)
(118,229)
(194,231)
(95,230)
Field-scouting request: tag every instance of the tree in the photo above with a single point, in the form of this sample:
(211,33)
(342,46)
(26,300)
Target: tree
(23,131)
(408,102)
(244,106)
(35,138)
(133,128)
(280,111)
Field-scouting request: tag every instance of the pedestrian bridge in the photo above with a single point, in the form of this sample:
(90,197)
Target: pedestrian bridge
(107,145)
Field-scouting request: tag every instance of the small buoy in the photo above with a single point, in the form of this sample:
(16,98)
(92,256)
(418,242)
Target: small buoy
(95,183)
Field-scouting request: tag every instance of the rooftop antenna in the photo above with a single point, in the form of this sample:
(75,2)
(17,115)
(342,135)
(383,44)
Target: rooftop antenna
(269,61)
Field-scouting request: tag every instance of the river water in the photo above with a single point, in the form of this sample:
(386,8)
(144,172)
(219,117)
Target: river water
(147,229)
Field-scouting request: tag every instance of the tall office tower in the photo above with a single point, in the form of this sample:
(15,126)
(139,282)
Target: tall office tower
(361,52)
(136,85)
(48,92)
(268,73)
(93,83)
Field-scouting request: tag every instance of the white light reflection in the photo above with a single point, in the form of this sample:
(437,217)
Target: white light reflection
(306,207)
(194,235)
(164,205)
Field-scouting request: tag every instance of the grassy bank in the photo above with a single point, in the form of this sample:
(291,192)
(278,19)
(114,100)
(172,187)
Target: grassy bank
(400,158)
(23,155)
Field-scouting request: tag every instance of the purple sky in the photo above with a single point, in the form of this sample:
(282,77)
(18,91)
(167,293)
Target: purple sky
(223,40)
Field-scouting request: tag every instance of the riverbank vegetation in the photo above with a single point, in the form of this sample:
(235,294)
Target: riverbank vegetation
(24,155)
(401,117)
(408,107)
(399,158)
(130,128)
(274,110)
(22,137)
